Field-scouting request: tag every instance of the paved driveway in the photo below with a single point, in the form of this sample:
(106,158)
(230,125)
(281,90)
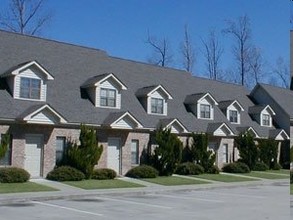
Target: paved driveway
(241,203)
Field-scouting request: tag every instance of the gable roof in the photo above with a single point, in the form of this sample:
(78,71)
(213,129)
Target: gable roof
(95,80)
(225,104)
(74,66)
(146,91)
(15,70)
(278,96)
(194,98)
(257,109)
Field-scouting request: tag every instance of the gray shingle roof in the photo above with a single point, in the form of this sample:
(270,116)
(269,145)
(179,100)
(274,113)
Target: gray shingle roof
(73,66)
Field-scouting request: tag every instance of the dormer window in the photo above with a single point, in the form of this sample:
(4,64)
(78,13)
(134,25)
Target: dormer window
(105,90)
(202,105)
(232,109)
(28,81)
(108,97)
(266,120)
(30,88)
(233,116)
(262,114)
(205,111)
(157,106)
(154,99)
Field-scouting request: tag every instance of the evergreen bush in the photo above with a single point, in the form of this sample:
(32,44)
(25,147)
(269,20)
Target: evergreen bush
(65,173)
(13,175)
(237,167)
(104,174)
(189,168)
(260,166)
(142,171)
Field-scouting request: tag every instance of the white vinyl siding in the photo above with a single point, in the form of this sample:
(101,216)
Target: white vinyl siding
(110,86)
(134,152)
(156,95)
(29,73)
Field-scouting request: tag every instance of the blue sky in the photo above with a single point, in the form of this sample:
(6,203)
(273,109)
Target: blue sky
(120,26)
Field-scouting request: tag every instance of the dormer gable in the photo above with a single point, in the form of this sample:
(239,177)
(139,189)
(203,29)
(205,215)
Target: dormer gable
(28,81)
(122,120)
(42,114)
(174,124)
(219,129)
(278,135)
(104,90)
(262,114)
(250,130)
(154,99)
(201,105)
(232,110)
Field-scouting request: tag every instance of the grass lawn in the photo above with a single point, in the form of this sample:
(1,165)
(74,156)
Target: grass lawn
(173,181)
(23,187)
(102,184)
(291,189)
(224,178)
(265,175)
(282,171)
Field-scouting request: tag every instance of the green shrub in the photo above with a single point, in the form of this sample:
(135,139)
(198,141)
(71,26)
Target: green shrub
(291,176)
(189,168)
(260,166)
(65,173)
(213,170)
(142,171)
(237,167)
(104,174)
(13,175)
(276,166)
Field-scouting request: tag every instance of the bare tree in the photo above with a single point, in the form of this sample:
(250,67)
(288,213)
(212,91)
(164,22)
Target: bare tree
(241,32)
(161,51)
(213,52)
(281,71)
(25,17)
(255,62)
(187,50)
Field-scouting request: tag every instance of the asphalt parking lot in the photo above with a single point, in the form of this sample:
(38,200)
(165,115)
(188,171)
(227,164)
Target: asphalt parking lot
(241,203)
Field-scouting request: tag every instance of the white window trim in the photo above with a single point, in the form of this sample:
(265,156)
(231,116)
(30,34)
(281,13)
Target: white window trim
(211,111)
(98,104)
(270,120)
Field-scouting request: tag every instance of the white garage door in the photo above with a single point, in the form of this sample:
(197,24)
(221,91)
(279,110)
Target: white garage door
(33,154)
(113,158)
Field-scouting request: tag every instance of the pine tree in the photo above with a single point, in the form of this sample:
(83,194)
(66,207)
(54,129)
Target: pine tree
(85,155)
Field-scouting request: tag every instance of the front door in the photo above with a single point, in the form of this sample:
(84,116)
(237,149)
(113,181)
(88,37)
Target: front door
(113,158)
(33,154)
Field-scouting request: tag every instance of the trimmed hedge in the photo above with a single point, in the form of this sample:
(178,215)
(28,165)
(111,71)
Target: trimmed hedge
(189,168)
(237,167)
(260,166)
(65,173)
(13,175)
(142,171)
(104,174)
(276,166)
(213,170)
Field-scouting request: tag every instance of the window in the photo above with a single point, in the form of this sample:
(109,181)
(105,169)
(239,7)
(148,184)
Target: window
(157,105)
(233,116)
(266,120)
(134,152)
(30,88)
(205,111)
(225,153)
(6,160)
(108,97)
(60,147)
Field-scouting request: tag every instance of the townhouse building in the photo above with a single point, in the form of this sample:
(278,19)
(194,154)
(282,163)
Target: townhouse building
(48,88)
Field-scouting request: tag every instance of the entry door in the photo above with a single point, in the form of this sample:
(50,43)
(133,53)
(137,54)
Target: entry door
(113,158)
(33,154)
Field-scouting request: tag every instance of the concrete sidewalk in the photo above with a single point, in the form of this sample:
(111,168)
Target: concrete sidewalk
(68,192)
